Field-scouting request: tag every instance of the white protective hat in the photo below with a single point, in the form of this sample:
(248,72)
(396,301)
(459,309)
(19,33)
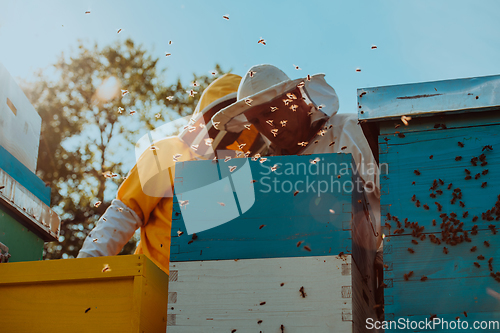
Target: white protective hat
(262,83)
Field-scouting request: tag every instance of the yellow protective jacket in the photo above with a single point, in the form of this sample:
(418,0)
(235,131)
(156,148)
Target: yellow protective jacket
(154,206)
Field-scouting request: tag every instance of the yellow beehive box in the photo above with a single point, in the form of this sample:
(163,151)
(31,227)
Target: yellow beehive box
(103,294)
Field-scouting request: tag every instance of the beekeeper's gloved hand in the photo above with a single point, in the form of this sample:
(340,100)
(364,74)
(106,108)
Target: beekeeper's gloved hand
(113,230)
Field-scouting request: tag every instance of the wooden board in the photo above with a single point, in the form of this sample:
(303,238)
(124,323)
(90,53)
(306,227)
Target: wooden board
(20,124)
(454,284)
(226,295)
(24,176)
(405,155)
(274,221)
(75,295)
(23,244)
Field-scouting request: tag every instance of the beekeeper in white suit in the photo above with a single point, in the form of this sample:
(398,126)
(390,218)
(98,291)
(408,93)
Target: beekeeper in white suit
(300,117)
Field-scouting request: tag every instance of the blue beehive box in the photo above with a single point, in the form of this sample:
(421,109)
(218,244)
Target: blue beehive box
(440,198)
(276,234)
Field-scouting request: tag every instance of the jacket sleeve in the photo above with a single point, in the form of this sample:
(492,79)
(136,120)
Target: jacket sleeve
(113,230)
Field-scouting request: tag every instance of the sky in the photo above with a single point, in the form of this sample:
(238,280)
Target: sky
(416,40)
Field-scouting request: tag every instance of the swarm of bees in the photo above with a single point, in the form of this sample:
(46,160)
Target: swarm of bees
(452,225)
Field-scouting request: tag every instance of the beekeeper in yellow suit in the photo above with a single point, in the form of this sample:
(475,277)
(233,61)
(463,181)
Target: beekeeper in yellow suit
(144,200)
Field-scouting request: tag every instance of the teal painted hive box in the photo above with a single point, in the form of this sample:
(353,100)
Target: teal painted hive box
(440,177)
(280,244)
(26,220)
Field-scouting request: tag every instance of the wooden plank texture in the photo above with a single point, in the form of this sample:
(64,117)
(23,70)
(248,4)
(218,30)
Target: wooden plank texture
(276,220)
(78,295)
(24,176)
(263,294)
(417,161)
(20,123)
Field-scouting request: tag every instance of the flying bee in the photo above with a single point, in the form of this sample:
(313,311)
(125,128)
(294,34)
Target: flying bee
(358,70)
(274,167)
(299,243)
(97,204)
(426,207)
(411,250)
(295,193)
(248,101)
(486,243)
(297,67)
(286,101)
(269,122)
(467,171)
(294,107)
(262,303)
(450,186)
(119,30)
(261,41)
(476,264)
(247,126)
(307,248)
(303,144)
(488,147)
(423,278)
(226,17)
(263,159)
(343,148)
(316,160)
(431,157)
(231,168)
(191,92)
(417,172)
(414,242)
(405,120)
(262,226)
(291,96)
(301,84)
(273,108)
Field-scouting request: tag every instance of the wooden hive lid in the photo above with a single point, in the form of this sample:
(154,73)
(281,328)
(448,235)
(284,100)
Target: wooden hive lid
(429,98)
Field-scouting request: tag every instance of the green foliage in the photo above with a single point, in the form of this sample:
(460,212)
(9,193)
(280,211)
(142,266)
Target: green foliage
(81,131)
